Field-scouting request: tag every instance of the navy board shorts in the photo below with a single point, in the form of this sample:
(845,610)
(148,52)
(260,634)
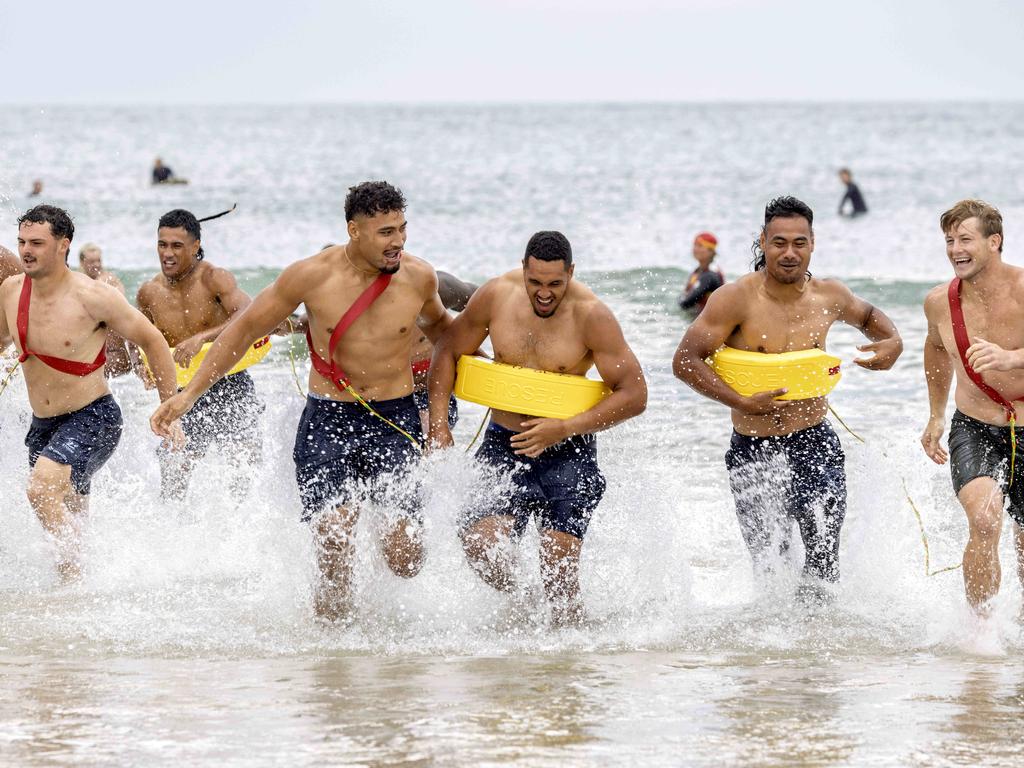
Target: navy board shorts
(978,449)
(423,403)
(800,476)
(340,446)
(561,488)
(227,414)
(83,439)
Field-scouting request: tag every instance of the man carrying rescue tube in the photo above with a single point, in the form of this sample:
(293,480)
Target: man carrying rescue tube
(366,301)
(705,279)
(976,330)
(60,320)
(785,462)
(539,317)
(191,301)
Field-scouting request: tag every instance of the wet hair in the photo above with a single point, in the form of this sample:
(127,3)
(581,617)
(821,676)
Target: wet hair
(785,207)
(549,246)
(371,198)
(61,225)
(990,221)
(180,218)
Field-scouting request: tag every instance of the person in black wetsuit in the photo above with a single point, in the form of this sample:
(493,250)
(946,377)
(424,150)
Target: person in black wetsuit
(162,174)
(857,205)
(704,279)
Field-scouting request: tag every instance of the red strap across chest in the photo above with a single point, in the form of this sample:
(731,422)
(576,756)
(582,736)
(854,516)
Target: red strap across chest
(71,367)
(366,298)
(956,315)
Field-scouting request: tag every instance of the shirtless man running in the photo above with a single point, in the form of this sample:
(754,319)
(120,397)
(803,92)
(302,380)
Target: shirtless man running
(785,462)
(341,446)
(119,357)
(60,321)
(989,328)
(539,317)
(191,302)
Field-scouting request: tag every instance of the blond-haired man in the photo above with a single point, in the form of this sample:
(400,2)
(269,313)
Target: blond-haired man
(976,330)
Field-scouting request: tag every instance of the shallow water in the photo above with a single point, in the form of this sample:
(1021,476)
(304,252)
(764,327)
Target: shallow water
(191,640)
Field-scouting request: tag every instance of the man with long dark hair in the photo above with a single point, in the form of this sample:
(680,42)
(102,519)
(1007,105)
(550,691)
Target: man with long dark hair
(785,461)
(191,301)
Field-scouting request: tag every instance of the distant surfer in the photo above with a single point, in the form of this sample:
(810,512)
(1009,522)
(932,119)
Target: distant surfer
(367,300)
(539,317)
(162,174)
(191,302)
(37,188)
(852,196)
(705,279)
(119,356)
(976,331)
(785,462)
(60,320)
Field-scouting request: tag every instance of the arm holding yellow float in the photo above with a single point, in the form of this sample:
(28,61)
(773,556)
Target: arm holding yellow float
(270,307)
(463,336)
(938,373)
(708,332)
(621,373)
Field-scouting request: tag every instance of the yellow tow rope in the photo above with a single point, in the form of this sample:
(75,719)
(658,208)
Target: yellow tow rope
(920,521)
(9,376)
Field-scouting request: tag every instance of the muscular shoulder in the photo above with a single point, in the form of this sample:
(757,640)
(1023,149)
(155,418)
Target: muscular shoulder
(148,291)
(419,272)
(936,301)
(10,264)
(217,279)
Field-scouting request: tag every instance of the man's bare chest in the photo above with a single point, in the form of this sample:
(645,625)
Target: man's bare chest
(546,344)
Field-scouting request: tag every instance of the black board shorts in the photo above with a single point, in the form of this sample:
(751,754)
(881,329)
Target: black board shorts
(341,449)
(978,449)
(561,488)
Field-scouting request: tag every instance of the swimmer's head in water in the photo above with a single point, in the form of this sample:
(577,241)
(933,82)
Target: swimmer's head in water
(704,247)
(547,270)
(974,236)
(375,214)
(44,238)
(178,243)
(787,240)
(90,259)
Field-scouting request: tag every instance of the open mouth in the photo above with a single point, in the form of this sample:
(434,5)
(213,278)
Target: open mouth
(962,261)
(28,261)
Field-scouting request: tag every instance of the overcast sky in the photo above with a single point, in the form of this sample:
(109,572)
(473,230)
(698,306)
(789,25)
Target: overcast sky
(215,51)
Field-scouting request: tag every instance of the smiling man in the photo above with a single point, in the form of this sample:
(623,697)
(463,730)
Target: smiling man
(60,320)
(975,327)
(191,301)
(360,431)
(539,317)
(785,462)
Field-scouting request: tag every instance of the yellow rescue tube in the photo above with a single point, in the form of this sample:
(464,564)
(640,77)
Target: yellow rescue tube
(253,355)
(807,373)
(526,390)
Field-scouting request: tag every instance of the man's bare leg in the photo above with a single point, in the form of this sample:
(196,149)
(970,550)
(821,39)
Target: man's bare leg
(403,548)
(49,494)
(560,572)
(982,500)
(334,538)
(488,547)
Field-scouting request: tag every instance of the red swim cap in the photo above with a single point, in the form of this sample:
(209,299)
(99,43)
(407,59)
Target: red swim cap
(706,239)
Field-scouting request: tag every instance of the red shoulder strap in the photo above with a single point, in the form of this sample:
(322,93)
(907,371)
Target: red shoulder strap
(956,315)
(72,367)
(360,305)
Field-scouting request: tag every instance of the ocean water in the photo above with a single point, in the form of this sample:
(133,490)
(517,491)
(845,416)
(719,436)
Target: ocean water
(190,639)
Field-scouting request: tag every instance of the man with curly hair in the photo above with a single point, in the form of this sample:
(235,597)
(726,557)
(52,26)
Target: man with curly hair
(360,431)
